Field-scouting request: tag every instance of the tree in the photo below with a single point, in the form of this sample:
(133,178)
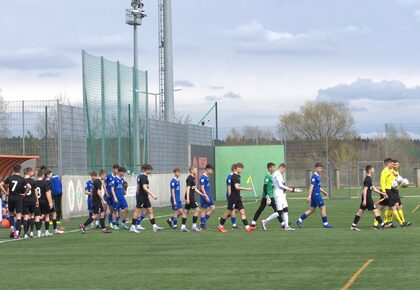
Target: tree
(3,116)
(318,121)
(250,135)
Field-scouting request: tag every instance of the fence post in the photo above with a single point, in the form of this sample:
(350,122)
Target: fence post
(23,128)
(59,139)
(130,149)
(103,118)
(119,111)
(46,137)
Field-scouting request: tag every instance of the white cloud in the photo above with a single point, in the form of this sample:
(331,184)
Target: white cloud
(229,95)
(184,84)
(370,90)
(37,58)
(49,74)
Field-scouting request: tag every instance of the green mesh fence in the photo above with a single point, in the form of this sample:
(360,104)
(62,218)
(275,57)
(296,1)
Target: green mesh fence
(116,115)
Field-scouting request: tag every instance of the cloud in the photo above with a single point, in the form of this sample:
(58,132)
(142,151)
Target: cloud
(417,14)
(230,95)
(35,59)
(216,88)
(49,74)
(184,84)
(369,90)
(256,39)
(110,41)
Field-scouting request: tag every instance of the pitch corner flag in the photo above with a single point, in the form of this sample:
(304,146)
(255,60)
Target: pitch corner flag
(249,180)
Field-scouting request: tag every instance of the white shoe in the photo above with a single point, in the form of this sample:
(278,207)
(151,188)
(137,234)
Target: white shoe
(92,225)
(140,228)
(57,232)
(289,229)
(47,234)
(125,227)
(184,230)
(26,237)
(39,235)
(157,229)
(264,224)
(133,229)
(31,235)
(111,226)
(115,227)
(195,229)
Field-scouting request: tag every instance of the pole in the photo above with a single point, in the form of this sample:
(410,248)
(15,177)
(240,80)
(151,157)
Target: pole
(169,113)
(46,137)
(23,127)
(119,117)
(130,147)
(386,140)
(217,121)
(136,155)
(146,125)
(156,106)
(103,115)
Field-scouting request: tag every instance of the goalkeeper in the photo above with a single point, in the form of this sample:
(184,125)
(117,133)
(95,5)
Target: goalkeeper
(267,196)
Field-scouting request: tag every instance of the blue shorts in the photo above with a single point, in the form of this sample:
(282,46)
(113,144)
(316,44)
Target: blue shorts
(108,201)
(177,205)
(121,204)
(205,204)
(90,206)
(317,200)
(3,204)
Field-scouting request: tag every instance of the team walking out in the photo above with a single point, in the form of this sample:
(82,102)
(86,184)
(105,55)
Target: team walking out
(33,202)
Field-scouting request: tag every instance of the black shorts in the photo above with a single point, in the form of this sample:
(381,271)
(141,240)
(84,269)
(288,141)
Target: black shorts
(192,205)
(385,202)
(97,208)
(44,207)
(28,208)
(143,201)
(398,197)
(393,196)
(15,204)
(370,205)
(235,203)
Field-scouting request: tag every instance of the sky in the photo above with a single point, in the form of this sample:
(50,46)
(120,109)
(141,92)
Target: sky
(258,59)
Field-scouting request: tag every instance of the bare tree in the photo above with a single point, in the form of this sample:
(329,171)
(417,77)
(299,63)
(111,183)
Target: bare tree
(250,135)
(182,118)
(318,121)
(3,116)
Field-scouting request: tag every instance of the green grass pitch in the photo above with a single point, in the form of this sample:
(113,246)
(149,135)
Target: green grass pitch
(310,258)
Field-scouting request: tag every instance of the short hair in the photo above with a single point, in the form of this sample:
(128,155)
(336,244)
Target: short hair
(387,160)
(318,165)
(368,168)
(239,165)
(395,161)
(209,166)
(282,165)
(27,170)
(41,173)
(122,169)
(43,167)
(93,174)
(177,170)
(102,171)
(146,166)
(17,168)
(270,164)
(233,167)
(191,168)
(115,166)
(47,171)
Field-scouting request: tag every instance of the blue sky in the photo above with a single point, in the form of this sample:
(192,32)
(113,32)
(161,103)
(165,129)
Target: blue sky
(259,59)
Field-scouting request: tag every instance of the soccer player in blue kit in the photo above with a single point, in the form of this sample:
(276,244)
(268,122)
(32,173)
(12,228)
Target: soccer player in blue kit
(108,197)
(207,208)
(175,199)
(117,188)
(315,199)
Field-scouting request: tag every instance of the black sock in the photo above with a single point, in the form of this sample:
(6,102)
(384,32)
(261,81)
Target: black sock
(102,222)
(153,221)
(12,221)
(18,224)
(47,225)
(26,226)
(32,224)
(222,221)
(379,219)
(55,224)
(245,222)
(195,218)
(356,219)
(88,221)
(184,221)
(38,226)
(133,222)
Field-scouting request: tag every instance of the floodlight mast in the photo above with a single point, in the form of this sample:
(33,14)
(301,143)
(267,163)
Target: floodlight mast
(134,17)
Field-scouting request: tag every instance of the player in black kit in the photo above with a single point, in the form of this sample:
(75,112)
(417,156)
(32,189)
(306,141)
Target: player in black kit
(367,201)
(30,202)
(46,206)
(18,188)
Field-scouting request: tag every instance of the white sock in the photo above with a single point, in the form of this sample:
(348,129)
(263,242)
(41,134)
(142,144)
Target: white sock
(183,226)
(247,227)
(286,219)
(300,220)
(253,223)
(272,217)
(194,225)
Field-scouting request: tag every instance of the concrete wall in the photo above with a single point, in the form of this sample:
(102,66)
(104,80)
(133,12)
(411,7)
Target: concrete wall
(75,200)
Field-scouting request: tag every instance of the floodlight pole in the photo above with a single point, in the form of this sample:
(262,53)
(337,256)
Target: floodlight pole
(135,17)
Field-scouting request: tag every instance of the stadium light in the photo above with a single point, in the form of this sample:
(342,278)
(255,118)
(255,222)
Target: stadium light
(134,17)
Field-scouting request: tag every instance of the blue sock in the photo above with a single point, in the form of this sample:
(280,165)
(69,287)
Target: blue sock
(118,217)
(324,220)
(110,218)
(140,219)
(207,217)
(303,217)
(233,219)
(203,222)
(175,220)
(138,222)
(123,221)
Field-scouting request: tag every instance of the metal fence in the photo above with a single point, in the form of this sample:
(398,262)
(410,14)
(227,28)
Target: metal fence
(55,132)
